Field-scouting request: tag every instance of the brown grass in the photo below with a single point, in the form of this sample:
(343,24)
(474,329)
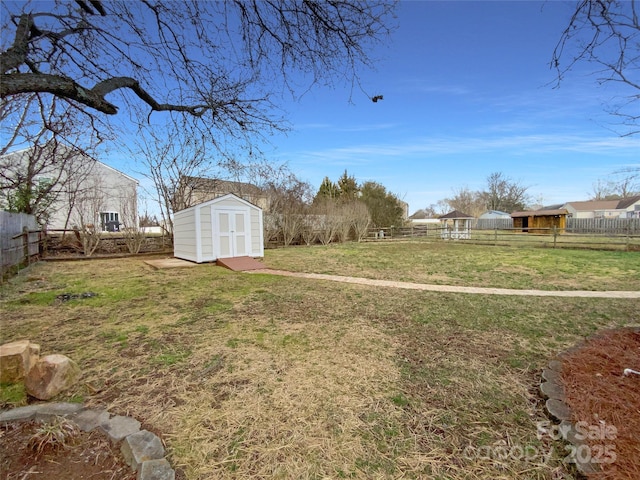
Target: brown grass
(257,376)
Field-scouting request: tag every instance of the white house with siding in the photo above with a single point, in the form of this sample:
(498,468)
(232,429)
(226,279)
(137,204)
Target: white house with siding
(81,190)
(223,227)
(622,208)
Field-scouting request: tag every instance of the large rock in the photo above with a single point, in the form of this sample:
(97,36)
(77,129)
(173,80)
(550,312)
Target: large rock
(50,376)
(16,359)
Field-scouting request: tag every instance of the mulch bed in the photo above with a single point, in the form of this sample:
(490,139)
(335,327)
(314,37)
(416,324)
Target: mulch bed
(606,401)
(88,455)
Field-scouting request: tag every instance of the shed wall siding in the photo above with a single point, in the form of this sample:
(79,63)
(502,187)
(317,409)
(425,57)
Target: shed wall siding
(256,232)
(206,234)
(184,235)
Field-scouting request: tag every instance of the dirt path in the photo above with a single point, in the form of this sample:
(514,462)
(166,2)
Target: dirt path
(454,288)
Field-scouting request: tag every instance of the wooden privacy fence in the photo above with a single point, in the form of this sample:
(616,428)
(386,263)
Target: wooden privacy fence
(617,226)
(19,240)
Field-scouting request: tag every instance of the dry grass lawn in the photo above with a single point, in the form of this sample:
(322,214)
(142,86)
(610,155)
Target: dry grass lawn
(257,376)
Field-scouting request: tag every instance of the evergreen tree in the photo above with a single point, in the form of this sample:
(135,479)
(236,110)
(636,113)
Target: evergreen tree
(348,188)
(327,189)
(384,207)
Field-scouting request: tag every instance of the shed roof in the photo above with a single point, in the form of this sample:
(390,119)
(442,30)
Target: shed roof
(456,214)
(539,213)
(221,199)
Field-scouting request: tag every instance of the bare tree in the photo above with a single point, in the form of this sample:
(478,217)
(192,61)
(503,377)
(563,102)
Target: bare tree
(86,215)
(326,219)
(467,201)
(342,220)
(291,225)
(606,33)
(309,232)
(504,194)
(622,184)
(208,60)
(360,219)
(134,235)
(432,211)
(168,158)
(213,68)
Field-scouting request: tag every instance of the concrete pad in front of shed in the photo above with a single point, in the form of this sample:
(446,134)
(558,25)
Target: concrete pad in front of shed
(169,263)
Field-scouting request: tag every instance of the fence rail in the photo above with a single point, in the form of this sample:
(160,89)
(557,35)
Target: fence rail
(19,240)
(549,237)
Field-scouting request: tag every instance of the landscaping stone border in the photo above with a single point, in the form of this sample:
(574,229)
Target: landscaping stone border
(552,389)
(141,449)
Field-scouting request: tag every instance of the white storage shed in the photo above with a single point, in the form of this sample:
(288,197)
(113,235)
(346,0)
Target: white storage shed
(224,227)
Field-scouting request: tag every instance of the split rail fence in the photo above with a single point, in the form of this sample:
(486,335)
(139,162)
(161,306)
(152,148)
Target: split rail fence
(609,234)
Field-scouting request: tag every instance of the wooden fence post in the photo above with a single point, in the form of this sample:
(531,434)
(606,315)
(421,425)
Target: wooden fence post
(25,244)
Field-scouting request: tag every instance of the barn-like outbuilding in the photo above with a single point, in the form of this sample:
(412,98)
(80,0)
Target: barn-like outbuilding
(540,221)
(224,227)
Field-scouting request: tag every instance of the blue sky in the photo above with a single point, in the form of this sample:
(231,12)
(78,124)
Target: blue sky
(467,92)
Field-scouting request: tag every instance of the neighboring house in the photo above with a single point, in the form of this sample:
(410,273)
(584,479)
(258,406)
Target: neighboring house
(195,190)
(405,209)
(84,192)
(494,214)
(623,208)
(494,219)
(420,218)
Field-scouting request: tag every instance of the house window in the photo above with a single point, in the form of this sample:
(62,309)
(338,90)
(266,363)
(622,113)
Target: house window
(44,182)
(109,222)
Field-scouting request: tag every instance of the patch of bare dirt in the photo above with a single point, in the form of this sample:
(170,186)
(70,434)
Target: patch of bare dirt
(88,455)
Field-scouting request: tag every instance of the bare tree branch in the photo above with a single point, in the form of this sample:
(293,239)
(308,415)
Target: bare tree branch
(606,33)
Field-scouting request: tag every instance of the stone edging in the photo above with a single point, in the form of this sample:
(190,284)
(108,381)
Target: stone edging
(141,449)
(553,390)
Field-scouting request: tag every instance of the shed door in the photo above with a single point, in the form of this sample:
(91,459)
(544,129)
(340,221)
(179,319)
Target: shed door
(232,233)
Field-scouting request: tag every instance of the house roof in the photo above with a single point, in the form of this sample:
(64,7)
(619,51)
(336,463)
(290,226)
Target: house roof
(592,205)
(456,214)
(71,150)
(555,206)
(489,214)
(218,185)
(539,213)
(627,202)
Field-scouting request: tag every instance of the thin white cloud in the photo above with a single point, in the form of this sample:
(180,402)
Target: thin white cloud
(349,128)
(513,145)
(421,85)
